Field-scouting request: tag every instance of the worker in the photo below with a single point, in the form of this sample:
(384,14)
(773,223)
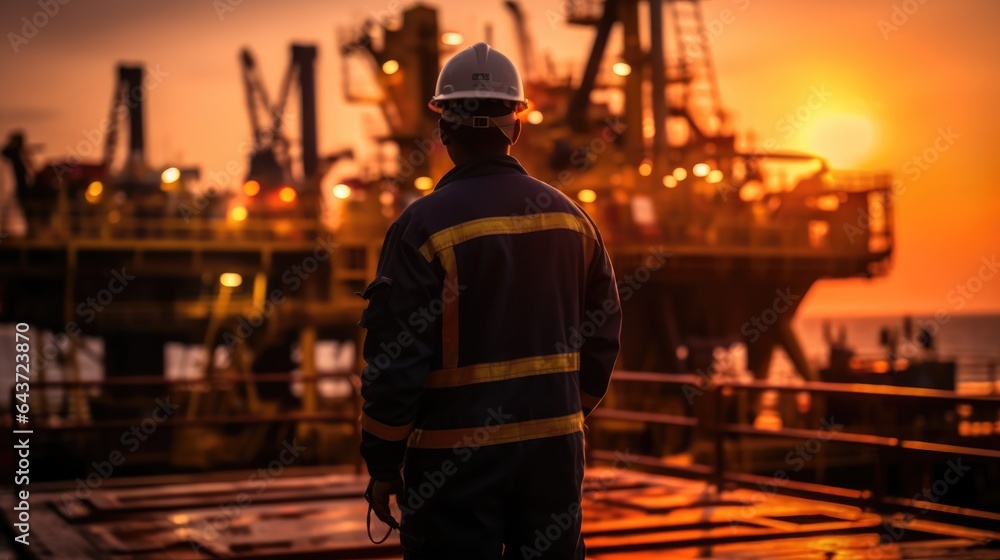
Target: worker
(492,330)
(16,151)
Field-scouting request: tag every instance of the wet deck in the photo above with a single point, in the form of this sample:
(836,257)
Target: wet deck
(628,516)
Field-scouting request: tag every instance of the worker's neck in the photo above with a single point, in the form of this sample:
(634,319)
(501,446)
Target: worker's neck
(458,157)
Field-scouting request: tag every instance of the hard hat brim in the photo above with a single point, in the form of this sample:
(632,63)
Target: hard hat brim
(436,101)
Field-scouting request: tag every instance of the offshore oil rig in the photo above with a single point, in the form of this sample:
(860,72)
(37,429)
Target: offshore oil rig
(715,241)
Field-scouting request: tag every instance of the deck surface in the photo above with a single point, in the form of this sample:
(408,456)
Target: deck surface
(628,516)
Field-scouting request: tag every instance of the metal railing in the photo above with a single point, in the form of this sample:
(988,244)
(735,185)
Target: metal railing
(710,424)
(78,389)
(91,222)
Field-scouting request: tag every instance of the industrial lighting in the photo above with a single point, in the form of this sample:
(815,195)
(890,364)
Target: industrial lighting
(451,38)
(535,117)
(287,194)
(238,213)
(251,188)
(341,191)
(751,191)
(230,279)
(669,181)
(700,169)
(828,203)
(621,68)
(394,23)
(94,191)
(645,169)
(390,67)
(680,173)
(586,195)
(170,175)
(423,183)
(714,176)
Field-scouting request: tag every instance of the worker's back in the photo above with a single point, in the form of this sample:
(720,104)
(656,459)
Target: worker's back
(492,331)
(515,255)
(493,323)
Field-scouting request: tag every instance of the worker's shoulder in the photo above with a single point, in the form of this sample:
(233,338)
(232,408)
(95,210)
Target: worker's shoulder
(502,195)
(420,218)
(547,198)
(528,194)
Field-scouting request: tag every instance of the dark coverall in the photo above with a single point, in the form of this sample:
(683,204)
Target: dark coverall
(493,327)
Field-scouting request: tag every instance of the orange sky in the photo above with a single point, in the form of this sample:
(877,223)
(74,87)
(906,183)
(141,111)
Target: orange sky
(891,93)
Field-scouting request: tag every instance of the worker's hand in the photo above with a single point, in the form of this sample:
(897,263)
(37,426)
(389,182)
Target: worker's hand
(380,492)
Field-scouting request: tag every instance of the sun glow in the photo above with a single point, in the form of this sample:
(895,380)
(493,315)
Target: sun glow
(845,140)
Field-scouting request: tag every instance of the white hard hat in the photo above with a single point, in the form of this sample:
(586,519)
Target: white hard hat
(479,72)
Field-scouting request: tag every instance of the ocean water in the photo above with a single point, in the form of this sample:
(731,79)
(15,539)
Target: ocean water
(972,340)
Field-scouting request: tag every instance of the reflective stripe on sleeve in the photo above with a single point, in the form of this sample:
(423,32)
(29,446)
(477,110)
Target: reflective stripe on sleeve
(385,431)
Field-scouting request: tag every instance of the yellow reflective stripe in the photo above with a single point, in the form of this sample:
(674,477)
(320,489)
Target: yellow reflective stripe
(499,371)
(497,434)
(589,401)
(385,431)
(449,314)
(454,235)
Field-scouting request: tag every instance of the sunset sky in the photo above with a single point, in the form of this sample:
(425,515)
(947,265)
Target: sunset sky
(928,75)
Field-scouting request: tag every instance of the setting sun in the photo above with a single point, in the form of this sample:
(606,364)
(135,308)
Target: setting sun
(842,139)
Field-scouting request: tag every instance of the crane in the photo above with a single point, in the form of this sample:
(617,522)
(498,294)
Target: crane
(523,37)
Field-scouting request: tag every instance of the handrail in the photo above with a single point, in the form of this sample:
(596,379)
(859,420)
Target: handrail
(151,380)
(717,428)
(350,418)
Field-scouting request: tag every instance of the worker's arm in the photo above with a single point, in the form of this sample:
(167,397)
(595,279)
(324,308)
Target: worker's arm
(599,352)
(397,353)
